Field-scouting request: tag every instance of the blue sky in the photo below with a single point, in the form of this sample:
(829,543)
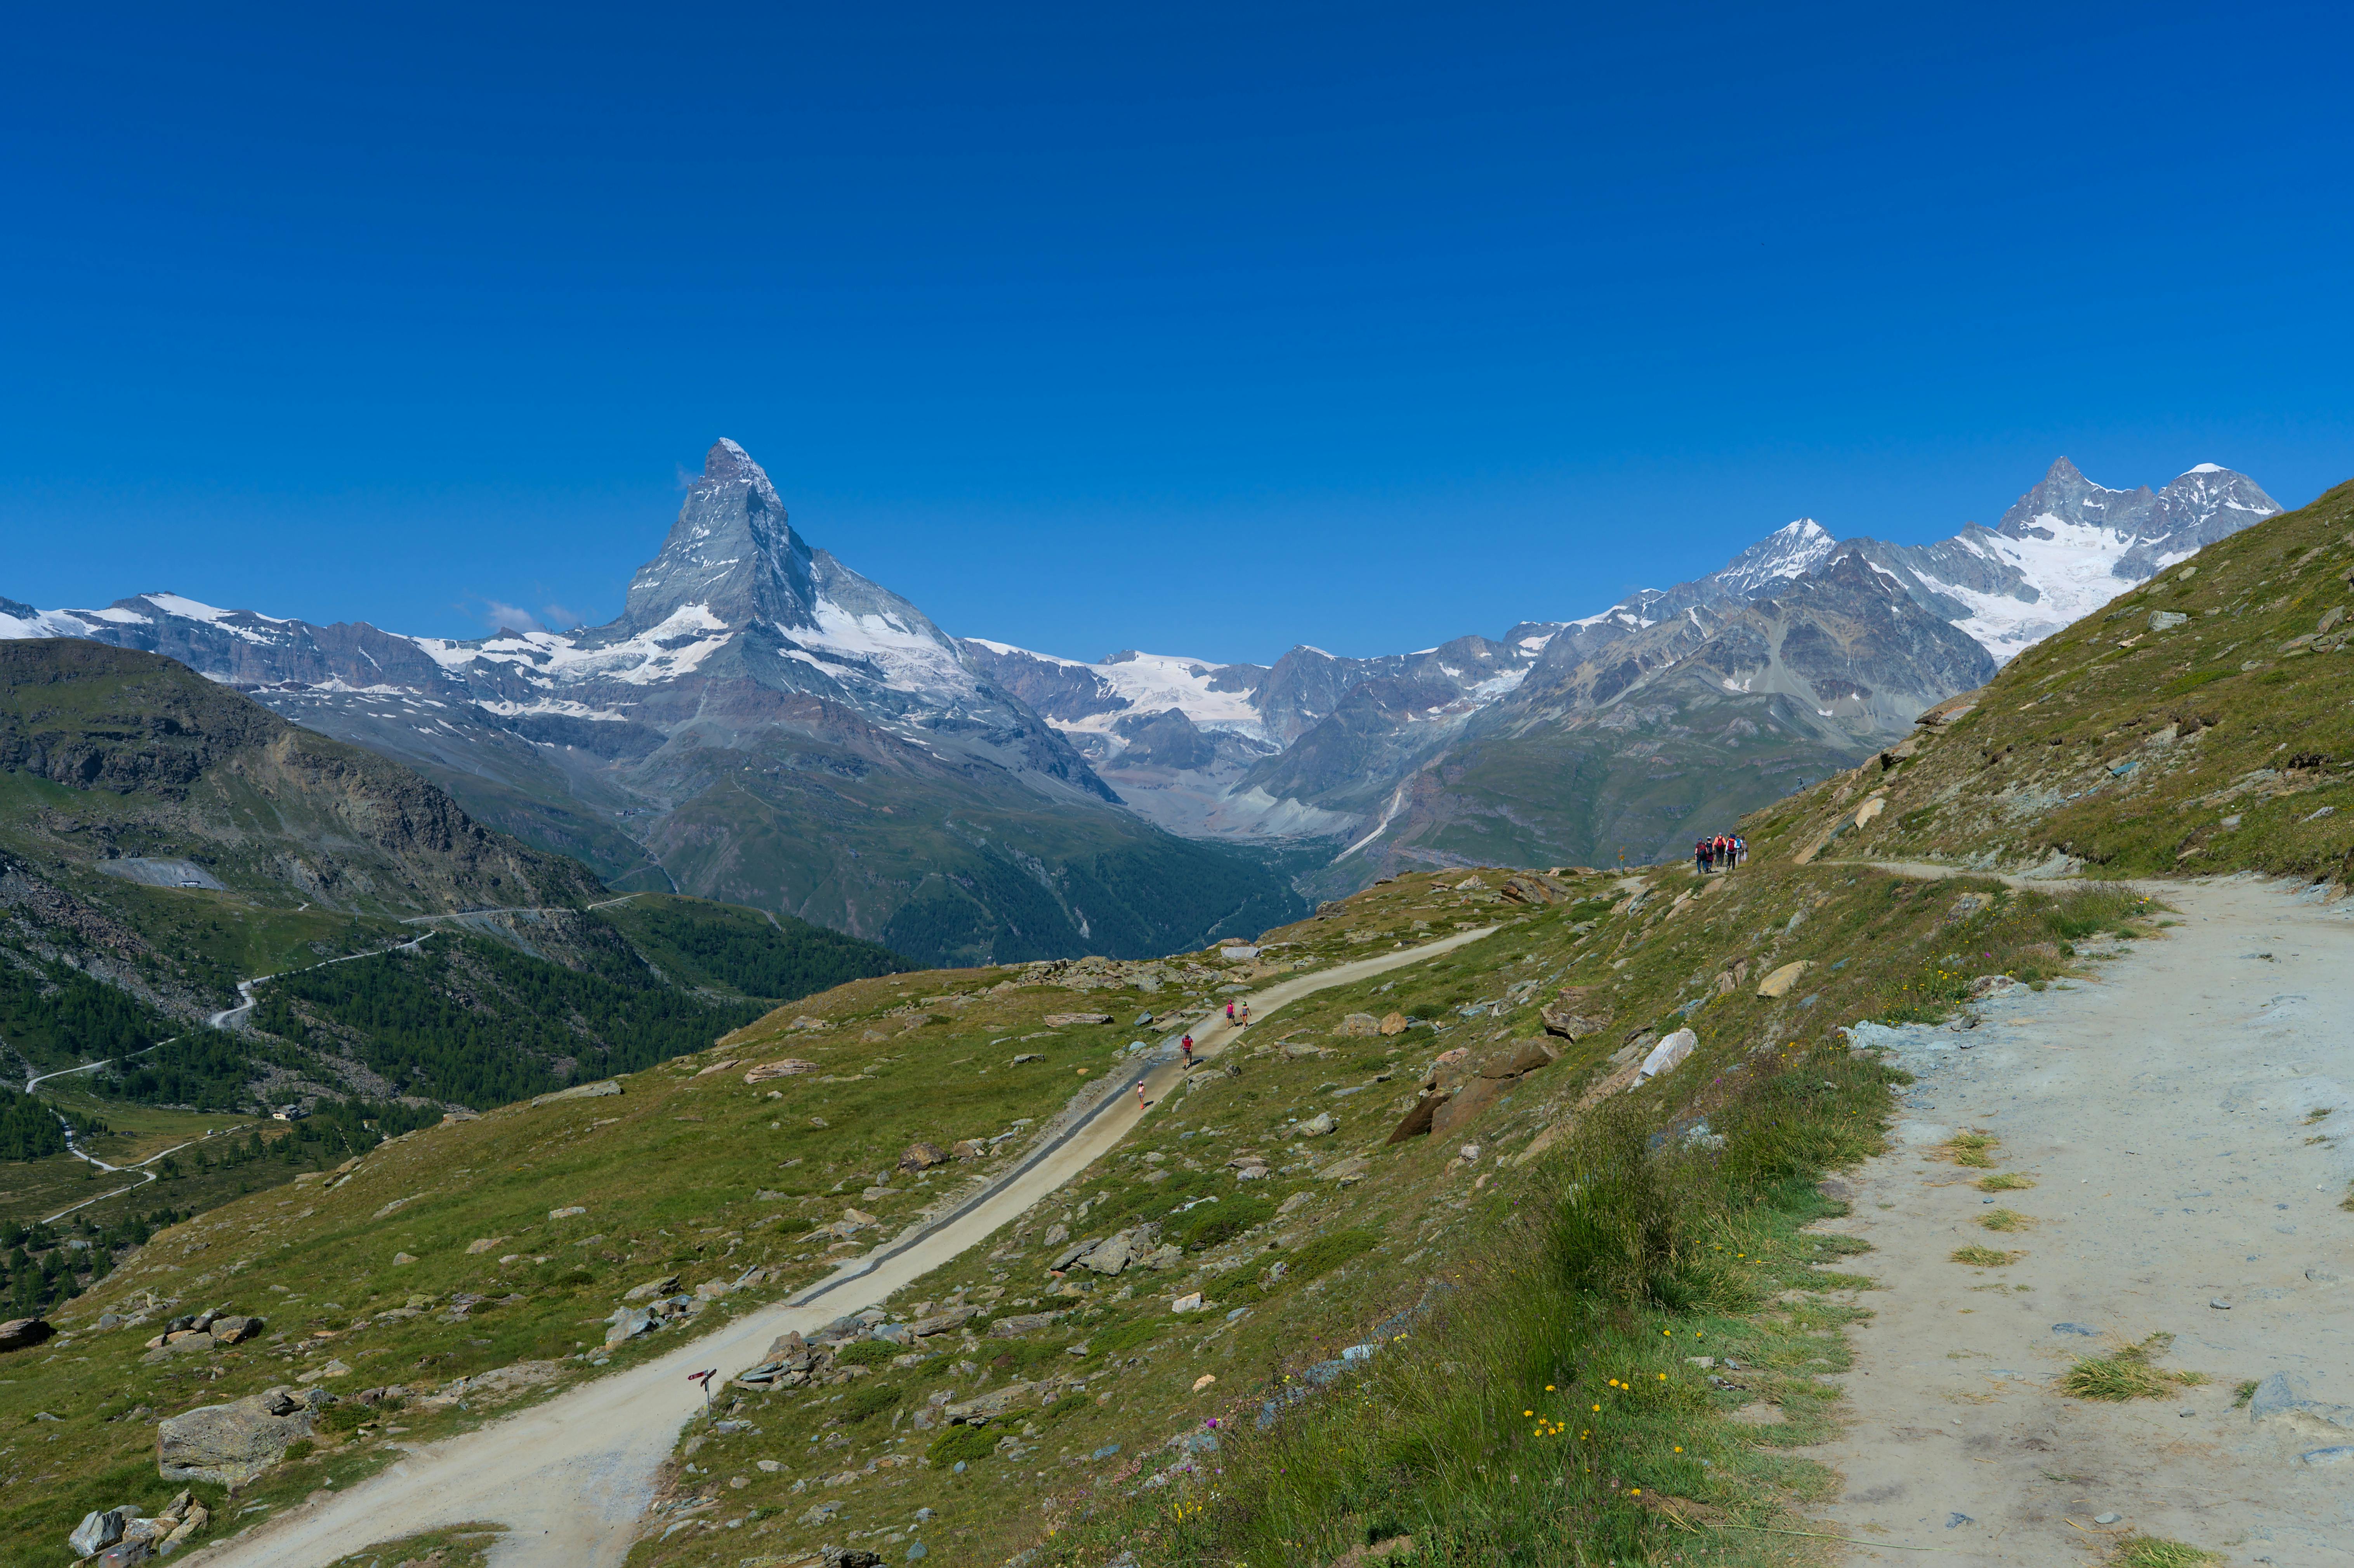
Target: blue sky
(1207,331)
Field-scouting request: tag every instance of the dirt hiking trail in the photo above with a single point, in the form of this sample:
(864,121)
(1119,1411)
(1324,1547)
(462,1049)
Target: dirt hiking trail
(572,1477)
(2186,1118)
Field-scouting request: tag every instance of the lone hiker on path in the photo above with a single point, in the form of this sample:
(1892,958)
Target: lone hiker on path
(1187,1045)
(1230,1013)
(1244,1022)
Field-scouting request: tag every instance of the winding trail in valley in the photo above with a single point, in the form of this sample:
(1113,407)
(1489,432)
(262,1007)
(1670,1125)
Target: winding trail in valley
(221,1020)
(571,1478)
(2181,1116)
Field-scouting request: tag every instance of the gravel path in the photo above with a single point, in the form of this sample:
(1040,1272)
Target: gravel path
(2185,1184)
(572,1477)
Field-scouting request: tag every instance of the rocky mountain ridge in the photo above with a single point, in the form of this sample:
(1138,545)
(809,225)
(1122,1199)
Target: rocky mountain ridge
(748,663)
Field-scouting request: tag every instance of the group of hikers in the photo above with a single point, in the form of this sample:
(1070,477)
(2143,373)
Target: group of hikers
(1722,852)
(1240,1020)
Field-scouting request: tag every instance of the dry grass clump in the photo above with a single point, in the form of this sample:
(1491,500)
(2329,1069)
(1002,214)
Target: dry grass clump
(2127,1374)
(2006,1220)
(1969,1149)
(2149,1551)
(2004,1181)
(1985,1257)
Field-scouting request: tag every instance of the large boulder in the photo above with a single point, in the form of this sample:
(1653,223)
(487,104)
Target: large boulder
(1779,982)
(1417,1120)
(229,1444)
(23,1333)
(922,1157)
(1358,1024)
(1460,1111)
(1112,1257)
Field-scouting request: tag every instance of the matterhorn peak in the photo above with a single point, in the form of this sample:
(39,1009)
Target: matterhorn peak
(732,553)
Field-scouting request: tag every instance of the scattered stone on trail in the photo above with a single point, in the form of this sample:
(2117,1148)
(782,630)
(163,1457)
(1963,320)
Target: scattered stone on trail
(596,1091)
(1317,1125)
(920,1156)
(1989,985)
(2286,1397)
(2084,1328)
(1779,982)
(785,1068)
(231,1445)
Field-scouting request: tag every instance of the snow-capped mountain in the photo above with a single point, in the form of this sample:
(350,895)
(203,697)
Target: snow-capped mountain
(2067,547)
(1841,641)
(760,724)
(753,684)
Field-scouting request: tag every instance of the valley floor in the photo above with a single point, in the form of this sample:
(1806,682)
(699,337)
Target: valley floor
(2181,1118)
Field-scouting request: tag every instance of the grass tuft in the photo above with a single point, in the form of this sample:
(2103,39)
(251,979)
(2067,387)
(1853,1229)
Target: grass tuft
(2127,1374)
(1985,1257)
(2006,1220)
(2005,1182)
(1970,1149)
(2149,1551)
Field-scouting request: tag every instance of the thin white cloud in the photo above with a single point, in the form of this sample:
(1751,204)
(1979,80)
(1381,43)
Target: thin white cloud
(511,618)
